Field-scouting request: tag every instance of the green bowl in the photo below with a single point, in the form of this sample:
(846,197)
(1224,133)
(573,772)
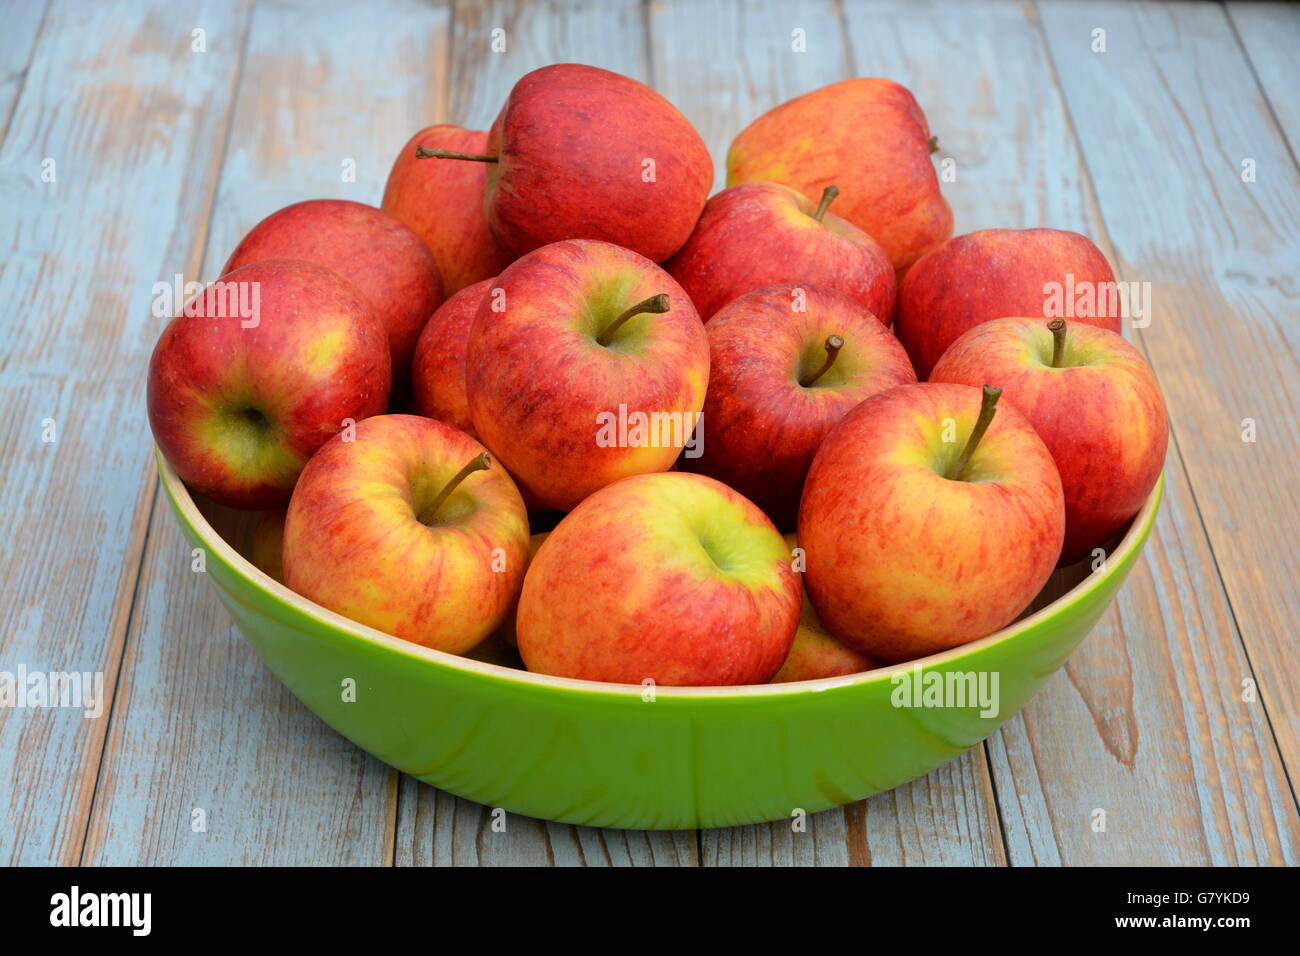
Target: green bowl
(613,755)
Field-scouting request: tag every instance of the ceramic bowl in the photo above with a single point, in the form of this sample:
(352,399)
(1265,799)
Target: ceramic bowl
(614,755)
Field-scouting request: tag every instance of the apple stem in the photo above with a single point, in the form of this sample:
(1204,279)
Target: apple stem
(1058,341)
(933,144)
(833,345)
(988,405)
(656,303)
(479,463)
(828,194)
(428,152)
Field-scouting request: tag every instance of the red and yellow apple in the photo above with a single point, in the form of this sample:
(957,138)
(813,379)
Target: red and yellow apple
(411,529)
(760,234)
(787,362)
(578,152)
(928,521)
(816,652)
(257,372)
(867,136)
(1093,400)
(438,370)
(671,578)
(995,273)
(377,253)
(443,204)
(594,369)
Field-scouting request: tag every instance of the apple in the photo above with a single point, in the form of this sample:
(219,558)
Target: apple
(1093,400)
(239,398)
(816,652)
(443,203)
(869,137)
(761,234)
(506,632)
(786,363)
(579,152)
(995,273)
(928,521)
(378,254)
(411,529)
(672,578)
(267,551)
(438,370)
(594,369)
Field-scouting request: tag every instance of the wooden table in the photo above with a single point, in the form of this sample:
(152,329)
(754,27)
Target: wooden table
(135,148)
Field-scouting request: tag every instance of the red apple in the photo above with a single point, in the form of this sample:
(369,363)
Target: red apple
(1093,400)
(786,363)
(443,203)
(816,652)
(239,398)
(761,234)
(869,137)
(410,529)
(994,273)
(916,543)
(671,578)
(582,153)
(595,369)
(438,371)
(380,255)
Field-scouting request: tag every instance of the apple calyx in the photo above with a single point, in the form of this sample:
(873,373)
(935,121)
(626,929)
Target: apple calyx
(933,144)
(988,405)
(833,345)
(828,194)
(428,152)
(479,463)
(1058,341)
(656,303)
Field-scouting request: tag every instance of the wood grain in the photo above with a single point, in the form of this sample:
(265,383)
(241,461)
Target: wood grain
(200,722)
(1221,255)
(22,20)
(76,276)
(437,829)
(1270,35)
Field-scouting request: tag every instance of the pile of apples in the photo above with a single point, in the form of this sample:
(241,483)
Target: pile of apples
(801,382)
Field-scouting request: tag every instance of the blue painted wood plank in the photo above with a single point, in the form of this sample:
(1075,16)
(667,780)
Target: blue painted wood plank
(201,724)
(108,174)
(1220,251)
(1270,34)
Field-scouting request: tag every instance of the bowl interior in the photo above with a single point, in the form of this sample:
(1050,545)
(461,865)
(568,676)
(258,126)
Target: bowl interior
(230,532)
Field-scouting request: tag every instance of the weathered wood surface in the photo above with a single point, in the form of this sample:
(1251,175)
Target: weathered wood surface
(1221,254)
(166,156)
(128,123)
(200,722)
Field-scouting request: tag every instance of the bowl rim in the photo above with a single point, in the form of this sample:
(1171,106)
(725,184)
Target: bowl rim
(188,510)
